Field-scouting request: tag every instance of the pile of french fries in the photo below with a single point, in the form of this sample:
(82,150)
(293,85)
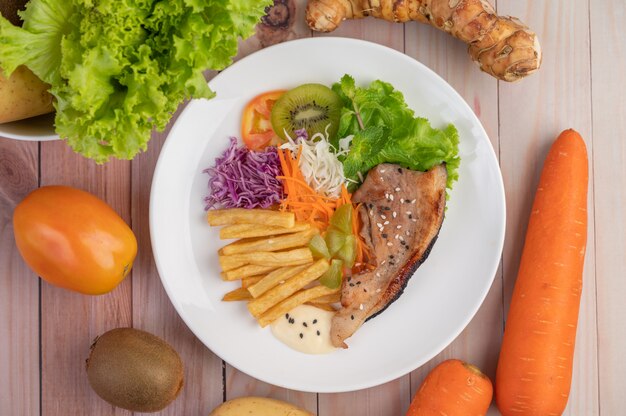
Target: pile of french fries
(272,260)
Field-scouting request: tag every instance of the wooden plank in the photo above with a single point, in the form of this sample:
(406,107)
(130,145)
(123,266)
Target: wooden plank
(19,287)
(532,113)
(479,343)
(609,156)
(237,383)
(152,309)
(388,399)
(70,321)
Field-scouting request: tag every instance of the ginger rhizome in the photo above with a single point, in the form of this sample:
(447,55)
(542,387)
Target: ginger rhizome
(502,46)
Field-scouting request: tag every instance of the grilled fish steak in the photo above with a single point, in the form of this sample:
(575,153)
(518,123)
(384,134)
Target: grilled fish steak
(402,211)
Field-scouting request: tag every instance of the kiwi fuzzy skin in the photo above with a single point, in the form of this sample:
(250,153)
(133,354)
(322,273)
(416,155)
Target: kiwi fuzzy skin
(134,370)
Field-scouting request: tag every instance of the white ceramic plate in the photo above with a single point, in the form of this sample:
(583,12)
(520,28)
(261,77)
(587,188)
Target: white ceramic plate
(440,299)
(40,128)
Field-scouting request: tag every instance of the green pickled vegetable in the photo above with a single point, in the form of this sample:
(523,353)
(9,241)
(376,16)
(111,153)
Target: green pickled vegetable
(333,276)
(342,218)
(335,239)
(318,247)
(347,252)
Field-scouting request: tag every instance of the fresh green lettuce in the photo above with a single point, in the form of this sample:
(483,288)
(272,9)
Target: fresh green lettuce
(120,68)
(386,130)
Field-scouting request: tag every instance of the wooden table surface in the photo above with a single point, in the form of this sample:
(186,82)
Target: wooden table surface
(45,332)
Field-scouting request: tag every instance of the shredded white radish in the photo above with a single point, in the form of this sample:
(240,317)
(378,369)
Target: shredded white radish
(318,162)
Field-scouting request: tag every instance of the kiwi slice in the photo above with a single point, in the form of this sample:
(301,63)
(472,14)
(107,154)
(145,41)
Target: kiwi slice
(310,106)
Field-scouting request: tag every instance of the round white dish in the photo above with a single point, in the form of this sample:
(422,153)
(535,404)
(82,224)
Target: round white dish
(440,299)
(40,128)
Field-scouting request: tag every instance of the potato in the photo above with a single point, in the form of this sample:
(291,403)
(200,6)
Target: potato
(258,406)
(23,95)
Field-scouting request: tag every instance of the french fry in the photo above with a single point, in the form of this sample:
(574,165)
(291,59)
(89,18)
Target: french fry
(238,294)
(251,216)
(332,298)
(279,293)
(231,262)
(246,282)
(246,271)
(274,278)
(255,230)
(282,242)
(267,258)
(291,302)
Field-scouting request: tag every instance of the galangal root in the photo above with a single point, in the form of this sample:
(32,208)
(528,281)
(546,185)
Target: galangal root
(502,46)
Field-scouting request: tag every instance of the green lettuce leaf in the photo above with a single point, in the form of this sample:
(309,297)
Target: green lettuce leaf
(119,68)
(385,130)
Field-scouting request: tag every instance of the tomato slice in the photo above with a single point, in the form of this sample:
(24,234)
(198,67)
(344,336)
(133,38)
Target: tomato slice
(256,124)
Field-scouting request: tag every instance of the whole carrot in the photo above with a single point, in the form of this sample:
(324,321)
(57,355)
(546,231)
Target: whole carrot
(453,388)
(535,365)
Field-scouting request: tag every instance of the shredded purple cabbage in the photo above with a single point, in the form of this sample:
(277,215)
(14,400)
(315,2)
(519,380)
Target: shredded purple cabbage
(242,178)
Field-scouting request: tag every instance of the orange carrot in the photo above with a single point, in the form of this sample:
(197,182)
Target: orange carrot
(453,388)
(535,365)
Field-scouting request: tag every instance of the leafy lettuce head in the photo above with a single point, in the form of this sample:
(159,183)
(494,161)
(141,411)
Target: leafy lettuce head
(120,68)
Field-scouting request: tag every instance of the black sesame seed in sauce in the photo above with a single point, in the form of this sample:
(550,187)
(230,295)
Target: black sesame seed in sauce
(304,324)
(399,170)
(410,216)
(287,316)
(291,320)
(351,284)
(387,209)
(318,333)
(314,321)
(301,335)
(352,317)
(391,256)
(384,235)
(358,283)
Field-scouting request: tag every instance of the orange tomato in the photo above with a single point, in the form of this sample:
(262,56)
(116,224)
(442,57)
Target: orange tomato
(73,240)
(256,124)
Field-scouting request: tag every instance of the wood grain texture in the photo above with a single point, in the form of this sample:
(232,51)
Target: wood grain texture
(19,287)
(389,399)
(70,321)
(480,342)
(372,30)
(609,156)
(532,113)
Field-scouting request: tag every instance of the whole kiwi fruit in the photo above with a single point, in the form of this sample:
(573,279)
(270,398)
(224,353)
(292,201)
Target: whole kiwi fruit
(134,370)
(9,9)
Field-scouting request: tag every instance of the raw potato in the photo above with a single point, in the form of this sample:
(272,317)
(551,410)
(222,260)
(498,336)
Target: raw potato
(502,46)
(258,406)
(23,95)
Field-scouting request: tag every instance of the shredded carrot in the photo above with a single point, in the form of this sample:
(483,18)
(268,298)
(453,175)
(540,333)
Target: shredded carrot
(310,206)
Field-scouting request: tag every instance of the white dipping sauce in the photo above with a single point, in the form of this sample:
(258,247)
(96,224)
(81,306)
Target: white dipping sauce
(305,329)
